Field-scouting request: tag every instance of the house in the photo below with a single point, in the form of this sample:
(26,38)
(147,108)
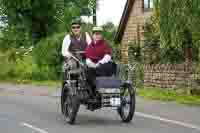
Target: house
(131,27)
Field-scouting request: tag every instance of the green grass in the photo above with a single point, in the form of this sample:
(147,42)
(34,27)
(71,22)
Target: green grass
(167,95)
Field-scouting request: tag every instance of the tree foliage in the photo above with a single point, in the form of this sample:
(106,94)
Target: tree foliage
(109,31)
(178,16)
(39,18)
(31,16)
(77,8)
(174,26)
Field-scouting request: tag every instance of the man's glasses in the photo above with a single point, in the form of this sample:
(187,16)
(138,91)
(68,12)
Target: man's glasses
(76,27)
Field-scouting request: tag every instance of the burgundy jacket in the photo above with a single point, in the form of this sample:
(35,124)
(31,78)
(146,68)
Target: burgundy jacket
(96,51)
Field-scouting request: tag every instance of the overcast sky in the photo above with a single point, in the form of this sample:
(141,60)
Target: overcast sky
(110,10)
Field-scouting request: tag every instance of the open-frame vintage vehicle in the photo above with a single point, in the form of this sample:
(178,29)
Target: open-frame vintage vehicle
(115,92)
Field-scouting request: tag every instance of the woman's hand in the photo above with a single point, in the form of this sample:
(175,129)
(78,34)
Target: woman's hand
(98,64)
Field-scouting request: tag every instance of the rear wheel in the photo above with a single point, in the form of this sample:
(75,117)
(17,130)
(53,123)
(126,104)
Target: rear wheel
(128,101)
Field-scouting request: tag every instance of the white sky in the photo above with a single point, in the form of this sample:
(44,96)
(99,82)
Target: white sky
(109,10)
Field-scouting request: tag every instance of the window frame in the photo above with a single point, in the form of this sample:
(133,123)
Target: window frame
(148,8)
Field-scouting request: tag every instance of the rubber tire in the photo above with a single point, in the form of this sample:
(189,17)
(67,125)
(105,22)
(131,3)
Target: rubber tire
(63,97)
(132,106)
(75,108)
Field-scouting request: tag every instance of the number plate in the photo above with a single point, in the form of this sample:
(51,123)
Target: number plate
(109,90)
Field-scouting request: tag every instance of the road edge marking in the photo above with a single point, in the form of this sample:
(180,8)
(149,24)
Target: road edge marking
(186,125)
(33,128)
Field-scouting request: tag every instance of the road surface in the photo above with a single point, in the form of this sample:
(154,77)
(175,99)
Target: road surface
(28,109)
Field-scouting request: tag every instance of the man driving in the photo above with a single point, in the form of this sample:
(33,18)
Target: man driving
(75,41)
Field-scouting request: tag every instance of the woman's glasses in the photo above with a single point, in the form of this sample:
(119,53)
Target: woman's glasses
(97,33)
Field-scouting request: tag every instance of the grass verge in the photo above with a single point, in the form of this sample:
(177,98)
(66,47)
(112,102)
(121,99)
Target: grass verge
(152,93)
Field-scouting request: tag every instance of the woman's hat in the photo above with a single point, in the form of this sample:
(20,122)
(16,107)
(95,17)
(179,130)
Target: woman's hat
(97,29)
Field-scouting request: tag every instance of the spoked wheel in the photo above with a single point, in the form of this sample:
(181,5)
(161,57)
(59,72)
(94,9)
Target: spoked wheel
(63,97)
(70,106)
(128,101)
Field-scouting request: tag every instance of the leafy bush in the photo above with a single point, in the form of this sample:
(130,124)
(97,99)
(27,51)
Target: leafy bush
(6,69)
(44,63)
(139,75)
(23,68)
(116,52)
(171,55)
(134,52)
(47,56)
(151,50)
(13,37)
(43,73)
(15,65)
(196,45)
(7,64)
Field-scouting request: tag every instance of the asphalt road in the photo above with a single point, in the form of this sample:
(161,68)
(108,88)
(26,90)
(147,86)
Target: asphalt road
(29,112)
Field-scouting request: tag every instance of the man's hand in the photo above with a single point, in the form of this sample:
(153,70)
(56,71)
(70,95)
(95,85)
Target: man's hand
(90,63)
(66,59)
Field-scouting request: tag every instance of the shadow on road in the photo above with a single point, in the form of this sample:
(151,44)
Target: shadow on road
(91,120)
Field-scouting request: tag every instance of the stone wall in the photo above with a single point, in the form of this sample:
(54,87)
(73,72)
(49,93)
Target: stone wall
(168,76)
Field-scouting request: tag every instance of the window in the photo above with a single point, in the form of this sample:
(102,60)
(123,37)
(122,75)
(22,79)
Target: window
(148,5)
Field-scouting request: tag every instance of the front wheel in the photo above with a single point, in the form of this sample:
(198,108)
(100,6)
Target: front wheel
(128,101)
(70,106)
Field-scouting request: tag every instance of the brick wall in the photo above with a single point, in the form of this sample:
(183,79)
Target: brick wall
(168,76)
(134,29)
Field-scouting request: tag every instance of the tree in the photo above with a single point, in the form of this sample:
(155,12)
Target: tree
(77,8)
(43,21)
(32,16)
(178,18)
(109,31)
(40,18)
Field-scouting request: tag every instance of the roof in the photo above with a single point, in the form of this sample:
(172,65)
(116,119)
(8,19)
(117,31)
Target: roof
(124,20)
